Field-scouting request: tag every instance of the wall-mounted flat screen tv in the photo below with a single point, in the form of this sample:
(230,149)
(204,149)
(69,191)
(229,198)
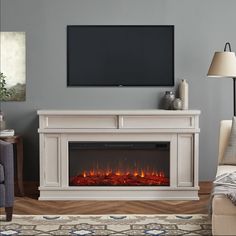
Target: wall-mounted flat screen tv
(120,55)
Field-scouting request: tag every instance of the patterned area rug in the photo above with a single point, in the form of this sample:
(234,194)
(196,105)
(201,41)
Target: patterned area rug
(115,225)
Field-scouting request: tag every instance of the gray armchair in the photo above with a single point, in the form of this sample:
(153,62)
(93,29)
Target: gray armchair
(6,178)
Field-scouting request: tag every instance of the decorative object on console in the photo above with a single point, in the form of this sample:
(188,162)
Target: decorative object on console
(177,104)
(224,65)
(12,57)
(183,93)
(168,99)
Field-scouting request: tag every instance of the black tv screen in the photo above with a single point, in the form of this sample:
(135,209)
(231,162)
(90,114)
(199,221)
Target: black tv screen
(114,55)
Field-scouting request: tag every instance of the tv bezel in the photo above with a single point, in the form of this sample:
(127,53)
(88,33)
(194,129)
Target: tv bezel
(120,85)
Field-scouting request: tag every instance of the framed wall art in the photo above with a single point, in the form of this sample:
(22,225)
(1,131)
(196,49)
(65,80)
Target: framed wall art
(12,66)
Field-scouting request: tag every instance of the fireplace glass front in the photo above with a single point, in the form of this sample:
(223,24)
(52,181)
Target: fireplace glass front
(119,163)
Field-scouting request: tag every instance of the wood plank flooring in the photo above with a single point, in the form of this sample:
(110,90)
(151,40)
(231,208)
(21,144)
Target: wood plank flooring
(30,205)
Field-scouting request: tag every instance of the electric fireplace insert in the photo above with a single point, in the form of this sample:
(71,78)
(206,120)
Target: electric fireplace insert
(119,163)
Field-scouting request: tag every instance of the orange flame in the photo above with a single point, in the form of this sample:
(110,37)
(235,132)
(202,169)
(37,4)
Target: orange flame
(142,174)
(135,173)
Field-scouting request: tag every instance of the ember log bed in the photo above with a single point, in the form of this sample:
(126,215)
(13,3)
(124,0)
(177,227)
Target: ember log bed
(117,179)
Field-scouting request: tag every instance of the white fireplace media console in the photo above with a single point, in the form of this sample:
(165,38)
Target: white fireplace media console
(58,127)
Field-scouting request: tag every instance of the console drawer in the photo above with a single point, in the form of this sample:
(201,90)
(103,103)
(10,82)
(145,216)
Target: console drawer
(81,122)
(152,122)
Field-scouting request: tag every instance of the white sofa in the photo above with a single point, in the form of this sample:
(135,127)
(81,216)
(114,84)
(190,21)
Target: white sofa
(223,210)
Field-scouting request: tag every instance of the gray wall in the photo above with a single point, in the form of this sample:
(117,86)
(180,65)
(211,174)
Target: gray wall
(201,27)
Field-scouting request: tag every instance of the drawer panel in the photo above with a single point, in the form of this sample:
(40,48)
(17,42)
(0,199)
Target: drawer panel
(51,160)
(152,122)
(81,122)
(185,160)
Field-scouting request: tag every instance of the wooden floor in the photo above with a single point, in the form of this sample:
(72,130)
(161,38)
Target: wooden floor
(29,205)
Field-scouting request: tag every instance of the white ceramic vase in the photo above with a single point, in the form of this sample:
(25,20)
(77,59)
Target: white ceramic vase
(183,93)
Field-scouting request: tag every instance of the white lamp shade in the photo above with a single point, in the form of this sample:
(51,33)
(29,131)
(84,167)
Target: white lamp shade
(223,65)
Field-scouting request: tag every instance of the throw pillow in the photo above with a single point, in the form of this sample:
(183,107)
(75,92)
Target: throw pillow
(230,151)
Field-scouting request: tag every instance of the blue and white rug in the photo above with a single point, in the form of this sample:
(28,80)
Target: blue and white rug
(115,225)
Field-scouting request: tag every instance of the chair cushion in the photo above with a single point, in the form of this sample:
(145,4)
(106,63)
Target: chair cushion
(1,174)
(229,157)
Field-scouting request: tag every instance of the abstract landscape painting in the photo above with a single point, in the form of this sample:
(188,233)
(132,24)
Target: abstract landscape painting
(12,66)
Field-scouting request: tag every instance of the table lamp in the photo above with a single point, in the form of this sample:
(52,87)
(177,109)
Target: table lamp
(223,65)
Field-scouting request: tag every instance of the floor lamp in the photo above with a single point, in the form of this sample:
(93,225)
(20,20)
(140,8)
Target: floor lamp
(224,65)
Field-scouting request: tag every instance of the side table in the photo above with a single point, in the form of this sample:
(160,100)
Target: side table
(17,140)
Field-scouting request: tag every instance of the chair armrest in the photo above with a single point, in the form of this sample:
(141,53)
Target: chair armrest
(7,160)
